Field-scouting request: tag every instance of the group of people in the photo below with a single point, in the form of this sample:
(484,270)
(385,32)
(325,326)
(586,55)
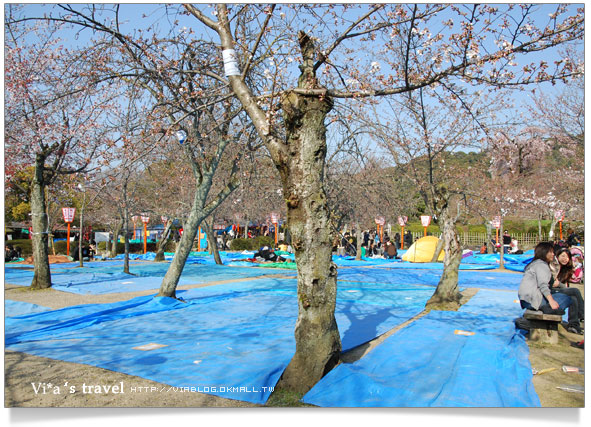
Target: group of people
(373,244)
(224,239)
(509,245)
(545,285)
(11,253)
(88,251)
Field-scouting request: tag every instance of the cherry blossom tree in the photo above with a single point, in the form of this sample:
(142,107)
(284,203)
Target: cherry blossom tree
(54,108)
(541,165)
(430,128)
(477,44)
(172,69)
(561,116)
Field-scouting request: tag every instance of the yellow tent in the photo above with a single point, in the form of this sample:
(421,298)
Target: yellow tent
(422,250)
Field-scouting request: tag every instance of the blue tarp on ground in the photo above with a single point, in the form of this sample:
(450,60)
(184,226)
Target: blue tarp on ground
(517,262)
(515,266)
(439,266)
(231,347)
(467,279)
(239,334)
(107,277)
(19,308)
(103,278)
(427,365)
(502,303)
(348,261)
(231,335)
(365,311)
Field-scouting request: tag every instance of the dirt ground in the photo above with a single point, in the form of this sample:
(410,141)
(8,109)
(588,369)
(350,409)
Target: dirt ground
(53,259)
(549,360)
(21,370)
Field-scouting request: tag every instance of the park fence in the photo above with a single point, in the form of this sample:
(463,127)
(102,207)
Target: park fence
(475,240)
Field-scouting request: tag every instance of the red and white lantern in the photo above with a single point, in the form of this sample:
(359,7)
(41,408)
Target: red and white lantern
(496,222)
(69,214)
(425,220)
(275,217)
(559,215)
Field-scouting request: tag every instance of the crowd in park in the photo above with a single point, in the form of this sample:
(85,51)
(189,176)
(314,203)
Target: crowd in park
(373,243)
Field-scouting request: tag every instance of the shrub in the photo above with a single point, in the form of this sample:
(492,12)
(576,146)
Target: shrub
(26,246)
(251,244)
(61,247)
(240,245)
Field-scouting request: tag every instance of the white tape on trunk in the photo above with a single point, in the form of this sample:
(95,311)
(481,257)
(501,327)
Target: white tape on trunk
(230,62)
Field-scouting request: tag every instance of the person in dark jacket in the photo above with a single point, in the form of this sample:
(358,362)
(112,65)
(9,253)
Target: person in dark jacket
(407,240)
(11,254)
(572,239)
(397,240)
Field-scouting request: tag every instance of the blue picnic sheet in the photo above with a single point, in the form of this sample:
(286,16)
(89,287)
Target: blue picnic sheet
(429,364)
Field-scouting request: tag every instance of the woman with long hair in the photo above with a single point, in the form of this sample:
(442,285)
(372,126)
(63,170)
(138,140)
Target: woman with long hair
(534,289)
(562,273)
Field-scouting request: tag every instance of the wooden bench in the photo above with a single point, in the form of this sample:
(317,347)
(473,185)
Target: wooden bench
(544,327)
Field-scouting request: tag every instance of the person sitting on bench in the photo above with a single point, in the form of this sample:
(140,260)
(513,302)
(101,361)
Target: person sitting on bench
(562,270)
(534,291)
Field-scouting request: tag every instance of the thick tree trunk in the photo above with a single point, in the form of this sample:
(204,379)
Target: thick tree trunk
(318,344)
(447,294)
(42,273)
(162,243)
(211,241)
(300,162)
(539,227)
